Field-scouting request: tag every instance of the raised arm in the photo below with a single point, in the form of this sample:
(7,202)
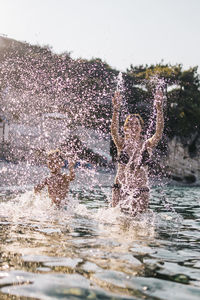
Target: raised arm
(40,186)
(116,101)
(71,175)
(153,141)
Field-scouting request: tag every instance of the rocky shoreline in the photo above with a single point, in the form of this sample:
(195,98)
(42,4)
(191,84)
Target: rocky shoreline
(182,164)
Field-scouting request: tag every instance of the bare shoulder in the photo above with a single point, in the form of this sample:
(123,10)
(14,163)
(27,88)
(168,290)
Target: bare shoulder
(152,142)
(41,185)
(66,178)
(148,143)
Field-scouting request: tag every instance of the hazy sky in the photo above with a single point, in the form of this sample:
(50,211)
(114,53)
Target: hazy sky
(120,32)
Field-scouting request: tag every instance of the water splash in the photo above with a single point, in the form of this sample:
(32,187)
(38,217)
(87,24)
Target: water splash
(120,83)
(130,193)
(156,83)
(49,99)
(120,87)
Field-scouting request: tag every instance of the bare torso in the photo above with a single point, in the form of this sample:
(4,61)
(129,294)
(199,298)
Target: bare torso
(58,187)
(132,191)
(129,174)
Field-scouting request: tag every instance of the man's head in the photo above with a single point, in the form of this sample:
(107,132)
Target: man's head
(55,161)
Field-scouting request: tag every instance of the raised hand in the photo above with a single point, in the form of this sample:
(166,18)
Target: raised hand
(117,100)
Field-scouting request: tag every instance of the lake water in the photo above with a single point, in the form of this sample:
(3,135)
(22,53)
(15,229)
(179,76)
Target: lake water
(91,251)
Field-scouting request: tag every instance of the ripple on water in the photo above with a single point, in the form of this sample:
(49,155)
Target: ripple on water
(155,255)
(152,287)
(53,286)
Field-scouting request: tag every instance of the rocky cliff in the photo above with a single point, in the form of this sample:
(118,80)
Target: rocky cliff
(182,163)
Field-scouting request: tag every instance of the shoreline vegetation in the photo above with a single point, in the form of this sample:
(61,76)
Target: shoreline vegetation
(35,81)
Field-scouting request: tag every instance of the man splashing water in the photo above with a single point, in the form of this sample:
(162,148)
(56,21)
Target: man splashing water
(57,183)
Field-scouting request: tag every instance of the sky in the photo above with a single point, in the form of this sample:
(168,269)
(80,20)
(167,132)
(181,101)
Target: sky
(120,32)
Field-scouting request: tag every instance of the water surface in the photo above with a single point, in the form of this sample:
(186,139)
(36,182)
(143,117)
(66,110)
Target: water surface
(91,251)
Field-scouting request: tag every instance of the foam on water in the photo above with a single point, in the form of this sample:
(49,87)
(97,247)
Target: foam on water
(88,201)
(29,207)
(113,220)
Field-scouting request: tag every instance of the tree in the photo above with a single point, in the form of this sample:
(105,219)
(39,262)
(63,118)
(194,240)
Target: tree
(182,92)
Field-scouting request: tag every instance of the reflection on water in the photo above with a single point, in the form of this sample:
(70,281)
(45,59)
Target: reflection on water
(88,250)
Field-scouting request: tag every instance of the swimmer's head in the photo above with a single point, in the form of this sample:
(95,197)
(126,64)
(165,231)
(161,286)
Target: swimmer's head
(54,160)
(133,124)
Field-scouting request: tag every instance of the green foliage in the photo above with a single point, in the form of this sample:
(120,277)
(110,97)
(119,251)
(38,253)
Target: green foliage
(182,90)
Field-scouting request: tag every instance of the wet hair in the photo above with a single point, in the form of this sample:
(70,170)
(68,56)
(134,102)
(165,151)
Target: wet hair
(136,116)
(54,154)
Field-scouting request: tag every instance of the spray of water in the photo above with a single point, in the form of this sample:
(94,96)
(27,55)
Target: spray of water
(120,87)
(49,100)
(157,84)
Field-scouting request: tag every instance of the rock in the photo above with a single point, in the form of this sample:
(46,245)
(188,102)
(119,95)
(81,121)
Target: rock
(182,164)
